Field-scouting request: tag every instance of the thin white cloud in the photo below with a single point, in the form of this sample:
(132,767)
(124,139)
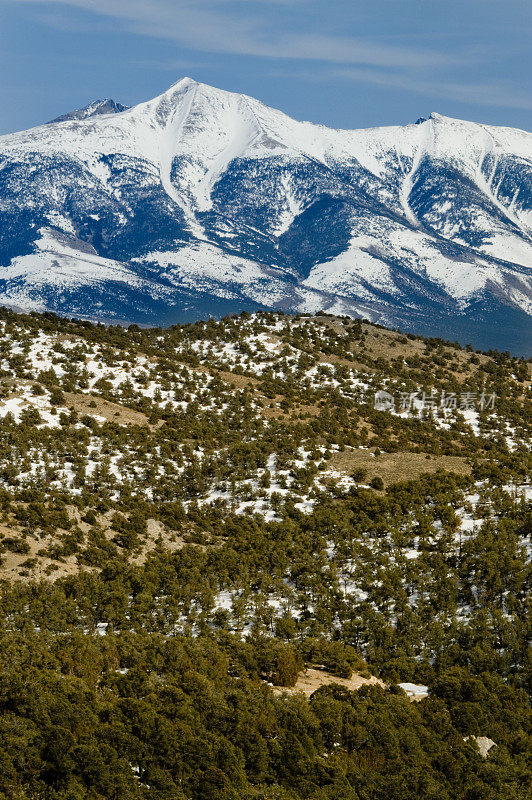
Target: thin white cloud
(270,29)
(484,94)
(247,28)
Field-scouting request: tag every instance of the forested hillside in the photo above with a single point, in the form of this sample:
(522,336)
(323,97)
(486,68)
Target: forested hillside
(190,518)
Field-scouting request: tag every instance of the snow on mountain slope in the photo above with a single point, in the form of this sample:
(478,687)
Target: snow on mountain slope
(92,110)
(203,200)
(59,262)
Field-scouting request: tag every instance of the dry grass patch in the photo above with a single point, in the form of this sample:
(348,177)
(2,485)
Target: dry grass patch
(232,378)
(311,679)
(113,412)
(390,344)
(31,565)
(156,532)
(238,381)
(332,359)
(393,467)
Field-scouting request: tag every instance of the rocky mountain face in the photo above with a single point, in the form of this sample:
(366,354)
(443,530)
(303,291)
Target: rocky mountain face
(203,202)
(92,110)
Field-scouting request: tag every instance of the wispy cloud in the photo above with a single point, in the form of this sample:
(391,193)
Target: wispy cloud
(484,94)
(247,28)
(317,42)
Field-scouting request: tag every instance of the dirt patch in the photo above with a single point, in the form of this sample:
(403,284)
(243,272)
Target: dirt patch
(334,323)
(239,381)
(31,565)
(353,364)
(311,679)
(156,532)
(113,412)
(392,345)
(232,378)
(393,467)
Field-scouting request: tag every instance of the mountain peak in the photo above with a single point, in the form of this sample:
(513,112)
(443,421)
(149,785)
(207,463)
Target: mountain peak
(183,82)
(434,116)
(227,203)
(94,109)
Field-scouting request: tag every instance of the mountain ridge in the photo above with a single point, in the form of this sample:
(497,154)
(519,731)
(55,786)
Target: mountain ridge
(201,201)
(95,108)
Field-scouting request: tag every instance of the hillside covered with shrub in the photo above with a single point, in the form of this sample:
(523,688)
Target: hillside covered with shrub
(191,517)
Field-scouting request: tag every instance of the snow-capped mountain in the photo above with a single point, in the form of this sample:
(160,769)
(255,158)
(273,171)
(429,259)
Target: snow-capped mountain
(94,109)
(202,201)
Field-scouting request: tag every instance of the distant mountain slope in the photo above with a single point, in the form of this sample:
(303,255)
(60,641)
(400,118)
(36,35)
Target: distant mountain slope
(92,110)
(203,201)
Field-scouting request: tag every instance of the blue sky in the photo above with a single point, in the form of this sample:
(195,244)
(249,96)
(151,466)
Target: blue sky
(349,63)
